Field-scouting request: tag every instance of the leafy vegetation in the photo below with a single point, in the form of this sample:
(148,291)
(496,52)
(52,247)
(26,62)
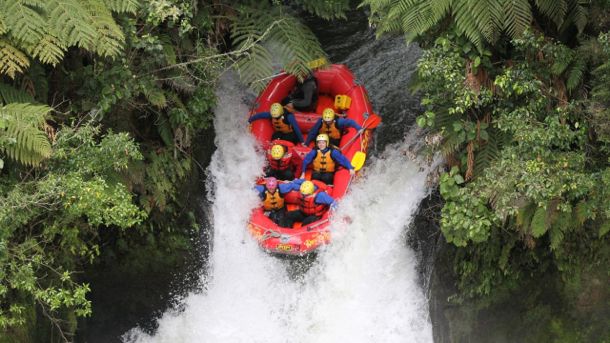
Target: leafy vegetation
(515,96)
(100,106)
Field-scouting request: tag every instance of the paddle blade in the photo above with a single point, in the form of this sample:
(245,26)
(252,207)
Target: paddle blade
(372,121)
(320,62)
(358,160)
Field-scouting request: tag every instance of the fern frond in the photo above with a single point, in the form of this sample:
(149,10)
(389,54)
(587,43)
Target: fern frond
(518,17)
(9,94)
(539,224)
(72,22)
(3,27)
(490,151)
(451,143)
(24,20)
(48,50)
(122,6)
(325,9)
(524,215)
(25,140)
(554,9)
(576,74)
(12,60)
(264,34)
(109,36)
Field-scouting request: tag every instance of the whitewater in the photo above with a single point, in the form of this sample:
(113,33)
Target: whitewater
(364,287)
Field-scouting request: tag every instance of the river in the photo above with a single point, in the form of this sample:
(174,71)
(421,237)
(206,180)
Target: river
(365,287)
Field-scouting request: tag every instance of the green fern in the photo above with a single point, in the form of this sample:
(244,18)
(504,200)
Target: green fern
(263,35)
(553,9)
(540,223)
(9,94)
(481,21)
(122,6)
(326,9)
(576,73)
(490,151)
(524,215)
(24,139)
(44,30)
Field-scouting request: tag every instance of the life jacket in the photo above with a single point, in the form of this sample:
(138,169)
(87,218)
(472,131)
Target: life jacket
(281,125)
(281,164)
(331,130)
(323,162)
(308,205)
(273,201)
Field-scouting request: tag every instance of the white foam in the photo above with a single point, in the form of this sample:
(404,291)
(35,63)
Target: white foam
(362,288)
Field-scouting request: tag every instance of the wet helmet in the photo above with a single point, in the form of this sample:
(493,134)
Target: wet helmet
(307,188)
(323,137)
(277,110)
(328,114)
(277,152)
(271,184)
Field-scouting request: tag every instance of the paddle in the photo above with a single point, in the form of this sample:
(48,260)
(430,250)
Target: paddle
(370,123)
(358,160)
(314,64)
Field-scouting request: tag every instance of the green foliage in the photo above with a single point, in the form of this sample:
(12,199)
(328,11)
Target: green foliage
(522,157)
(50,222)
(44,30)
(324,8)
(22,135)
(266,34)
(482,22)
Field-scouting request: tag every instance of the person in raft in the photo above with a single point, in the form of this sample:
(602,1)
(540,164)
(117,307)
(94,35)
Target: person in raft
(332,126)
(284,124)
(279,158)
(324,160)
(313,203)
(305,97)
(272,195)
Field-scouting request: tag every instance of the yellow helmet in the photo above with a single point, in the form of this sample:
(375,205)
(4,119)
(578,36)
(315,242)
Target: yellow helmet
(307,188)
(328,114)
(277,110)
(323,137)
(277,152)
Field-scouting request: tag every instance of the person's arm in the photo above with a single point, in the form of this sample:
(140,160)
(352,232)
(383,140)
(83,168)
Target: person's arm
(342,123)
(307,160)
(295,126)
(313,132)
(260,190)
(285,187)
(260,115)
(308,89)
(295,185)
(341,159)
(324,198)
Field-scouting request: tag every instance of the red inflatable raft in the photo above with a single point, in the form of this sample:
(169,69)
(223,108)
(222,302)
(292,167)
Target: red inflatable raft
(337,89)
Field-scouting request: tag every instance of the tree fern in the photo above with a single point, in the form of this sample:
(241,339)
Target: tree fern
(12,60)
(326,9)
(44,30)
(540,222)
(122,6)
(518,17)
(481,21)
(490,150)
(24,139)
(10,94)
(262,35)
(553,9)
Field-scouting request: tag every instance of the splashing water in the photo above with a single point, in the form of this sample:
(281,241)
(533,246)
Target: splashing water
(361,288)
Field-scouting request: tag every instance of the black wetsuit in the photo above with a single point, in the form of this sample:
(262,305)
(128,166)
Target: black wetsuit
(305,97)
